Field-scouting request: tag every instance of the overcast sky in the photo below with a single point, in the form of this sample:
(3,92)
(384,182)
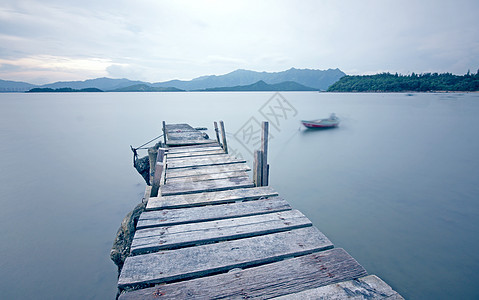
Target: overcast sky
(50,40)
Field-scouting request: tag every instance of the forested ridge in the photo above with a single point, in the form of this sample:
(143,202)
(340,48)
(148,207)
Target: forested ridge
(426,82)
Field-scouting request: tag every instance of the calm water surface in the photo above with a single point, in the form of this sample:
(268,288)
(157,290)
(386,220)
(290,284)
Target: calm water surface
(396,185)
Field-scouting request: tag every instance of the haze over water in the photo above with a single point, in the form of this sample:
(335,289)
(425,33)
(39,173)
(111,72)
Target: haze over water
(396,185)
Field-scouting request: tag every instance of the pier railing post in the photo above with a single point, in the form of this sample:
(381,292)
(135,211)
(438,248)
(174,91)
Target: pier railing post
(217,133)
(223,135)
(155,183)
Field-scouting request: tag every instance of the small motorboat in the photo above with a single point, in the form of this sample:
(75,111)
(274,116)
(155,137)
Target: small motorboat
(332,121)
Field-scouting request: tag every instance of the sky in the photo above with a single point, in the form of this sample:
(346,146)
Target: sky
(43,41)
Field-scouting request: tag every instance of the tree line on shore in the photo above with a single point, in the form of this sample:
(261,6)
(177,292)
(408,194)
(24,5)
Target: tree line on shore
(426,82)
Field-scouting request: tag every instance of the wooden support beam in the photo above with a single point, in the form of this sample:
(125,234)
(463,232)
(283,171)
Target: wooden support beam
(223,135)
(155,184)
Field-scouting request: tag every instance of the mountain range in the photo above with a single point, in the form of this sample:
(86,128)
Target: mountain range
(292,79)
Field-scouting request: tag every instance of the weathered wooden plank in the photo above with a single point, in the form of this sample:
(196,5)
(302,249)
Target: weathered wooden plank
(209,177)
(168,217)
(202,161)
(266,281)
(186,142)
(184,134)
(191,262)
(170,237)
(194,154)
(191,200)
(179,126)
(193,148)
(369,287)
(219,157)
(203,170)
(191,187)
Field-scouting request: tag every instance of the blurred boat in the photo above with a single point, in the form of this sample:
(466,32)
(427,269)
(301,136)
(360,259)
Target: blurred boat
(332,121)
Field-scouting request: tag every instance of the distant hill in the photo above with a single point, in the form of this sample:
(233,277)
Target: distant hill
(317,79)
(426,82)
(103,83)
(263,86)
(64,90)
(146,88)
(15,86)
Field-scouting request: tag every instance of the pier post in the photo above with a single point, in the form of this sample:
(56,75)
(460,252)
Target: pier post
(223,135)
(257,167)
(264,152)
(155,183)
(217,133)
(152,154)
(164,132)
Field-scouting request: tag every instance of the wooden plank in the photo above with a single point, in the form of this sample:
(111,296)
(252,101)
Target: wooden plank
(184,135)
(221,197)
(210,161)
(169,217)
(172,237)
(202,147)
(220,157)
(203,170)
(266,281)
(194,154)
(369,287)
(202,163)
(191,187)
(191,142)
(209,177)
(191,262)
(179,126)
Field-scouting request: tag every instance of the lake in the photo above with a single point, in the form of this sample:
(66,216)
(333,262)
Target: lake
(396,185)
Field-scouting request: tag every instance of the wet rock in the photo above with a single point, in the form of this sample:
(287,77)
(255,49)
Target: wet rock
(142,165)
(121,247)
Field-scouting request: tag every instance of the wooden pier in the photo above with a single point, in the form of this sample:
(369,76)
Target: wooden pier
(211,232)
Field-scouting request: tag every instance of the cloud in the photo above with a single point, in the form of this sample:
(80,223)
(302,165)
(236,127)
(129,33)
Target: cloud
(161,40)
(66,68)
